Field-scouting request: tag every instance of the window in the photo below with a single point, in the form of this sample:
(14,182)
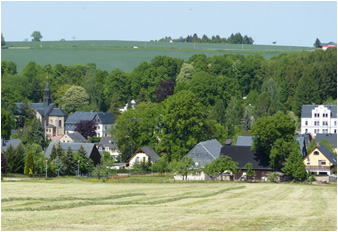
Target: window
(323,162)
(335,131)
(60,123)
(105,135)
(324,123)
(308,160)
(98,127)
(335,123)
(316,123)
(105,127)
(305,123)
(107,148)
(324,115)
(324,131)
(305,130)
(51,121)
(316,153)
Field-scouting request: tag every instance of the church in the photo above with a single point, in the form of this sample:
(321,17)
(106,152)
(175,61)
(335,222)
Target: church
(52,118)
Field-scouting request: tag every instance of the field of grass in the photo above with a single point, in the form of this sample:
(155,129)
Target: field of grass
(70,204)
(109,55)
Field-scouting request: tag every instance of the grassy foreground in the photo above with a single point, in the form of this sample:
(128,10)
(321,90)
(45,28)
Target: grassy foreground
(70,204)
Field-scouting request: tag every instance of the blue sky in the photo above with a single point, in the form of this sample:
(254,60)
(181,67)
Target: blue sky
(287,22)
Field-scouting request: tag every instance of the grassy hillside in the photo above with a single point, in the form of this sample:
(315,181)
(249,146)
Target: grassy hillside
(70,204)
(109,55)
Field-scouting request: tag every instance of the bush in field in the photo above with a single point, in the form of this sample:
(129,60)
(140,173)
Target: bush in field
(161,166)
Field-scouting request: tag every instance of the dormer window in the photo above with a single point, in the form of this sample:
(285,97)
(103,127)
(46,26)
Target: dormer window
(316,153)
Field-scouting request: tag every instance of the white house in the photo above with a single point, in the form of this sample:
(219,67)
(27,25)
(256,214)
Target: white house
(142,155)
(124,108)
(104,123)
(109,144)
(319,119)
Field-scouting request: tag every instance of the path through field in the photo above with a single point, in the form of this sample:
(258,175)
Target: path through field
(77,205)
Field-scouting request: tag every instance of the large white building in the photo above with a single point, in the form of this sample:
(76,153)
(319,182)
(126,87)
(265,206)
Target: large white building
(319,119)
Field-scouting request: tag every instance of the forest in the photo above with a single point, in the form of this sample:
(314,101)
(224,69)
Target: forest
(180,103)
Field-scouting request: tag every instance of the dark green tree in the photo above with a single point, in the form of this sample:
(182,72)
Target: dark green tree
(219,165)
(3,42)
(4,163)
(295,166)
(281,151)
(36,36)
(35,91)
(69,162)
(53,153)
(317,43)
(7,123)
(161,165)
(115,105)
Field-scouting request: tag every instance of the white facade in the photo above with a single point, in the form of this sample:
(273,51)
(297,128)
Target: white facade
(320,120)
(103,130)
(200,176)
(140,157)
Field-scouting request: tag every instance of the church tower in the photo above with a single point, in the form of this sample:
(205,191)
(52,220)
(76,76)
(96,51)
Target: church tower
(47,99)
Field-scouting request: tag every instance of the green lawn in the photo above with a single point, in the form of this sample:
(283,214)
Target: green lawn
(71,204)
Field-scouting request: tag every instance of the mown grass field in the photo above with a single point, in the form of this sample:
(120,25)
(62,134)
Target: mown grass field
(70,204)
(109,55)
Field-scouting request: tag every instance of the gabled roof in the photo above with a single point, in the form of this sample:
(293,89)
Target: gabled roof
(244,141)
(328,154)
(77,137)
(80,116)
(149,152)
(57,112)
(6,143)
(205,152)
(108,142)
(74,146)
(244,155)
(307,110)
(332,138)
(106,118)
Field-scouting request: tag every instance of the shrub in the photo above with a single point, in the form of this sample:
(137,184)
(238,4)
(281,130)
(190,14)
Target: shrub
(272,177)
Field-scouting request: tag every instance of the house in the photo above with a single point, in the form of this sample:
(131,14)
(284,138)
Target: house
(142,155)
(244,141)
(303,140)
(6,143)
(325,46)
(319,119)
(331,138)
(77,117)
(321,161)
(104,123)
(52,118)
(244,155)
(109,144)
(74,137)
(124,108)
(203,153)
(90,148)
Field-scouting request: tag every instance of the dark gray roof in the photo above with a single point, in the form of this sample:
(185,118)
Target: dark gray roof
(77,137)
(106,118)
(108,142)
(244,155)
(307,110)
(332,138)
(6,143)
(205,152)
(80,116)
(244,141)
(74,146)
(57,112)
(328,154)
(150,152)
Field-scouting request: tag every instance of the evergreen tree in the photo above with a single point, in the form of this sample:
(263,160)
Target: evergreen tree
(59,150)
(295,166)
(29,164)
(69,162)
(317,43)
(59,166)
(4,163)
(35,91)
(19,165)
(53,153)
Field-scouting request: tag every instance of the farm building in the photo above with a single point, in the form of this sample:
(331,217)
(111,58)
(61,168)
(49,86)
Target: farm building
(244,155)
(90,149)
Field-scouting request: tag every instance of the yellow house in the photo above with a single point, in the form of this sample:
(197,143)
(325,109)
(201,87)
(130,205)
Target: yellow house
(321,161)
(75,137)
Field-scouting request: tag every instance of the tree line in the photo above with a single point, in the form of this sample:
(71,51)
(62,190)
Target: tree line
(232,39)
(180,103)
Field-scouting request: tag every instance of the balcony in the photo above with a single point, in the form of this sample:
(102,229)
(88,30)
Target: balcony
(324,168)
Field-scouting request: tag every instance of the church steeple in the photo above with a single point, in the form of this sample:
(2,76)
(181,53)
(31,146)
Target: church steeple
(47,99)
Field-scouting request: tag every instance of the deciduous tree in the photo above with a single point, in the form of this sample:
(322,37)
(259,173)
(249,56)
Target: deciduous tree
(86,128)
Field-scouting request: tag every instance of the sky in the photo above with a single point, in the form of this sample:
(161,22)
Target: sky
(286,22)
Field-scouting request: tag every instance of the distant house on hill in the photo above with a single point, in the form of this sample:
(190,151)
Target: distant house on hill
(325,46)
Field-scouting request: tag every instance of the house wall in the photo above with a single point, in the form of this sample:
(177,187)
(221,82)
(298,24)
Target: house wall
(200,176)
(140,157)
(313,164)
(66,139)
(258,177)
(103,130)
(319,122)
(54,120)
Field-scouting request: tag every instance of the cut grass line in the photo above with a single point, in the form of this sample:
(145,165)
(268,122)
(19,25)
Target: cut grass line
(86,203)
(71,198)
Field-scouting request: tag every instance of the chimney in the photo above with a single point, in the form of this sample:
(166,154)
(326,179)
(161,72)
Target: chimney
(317,144)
